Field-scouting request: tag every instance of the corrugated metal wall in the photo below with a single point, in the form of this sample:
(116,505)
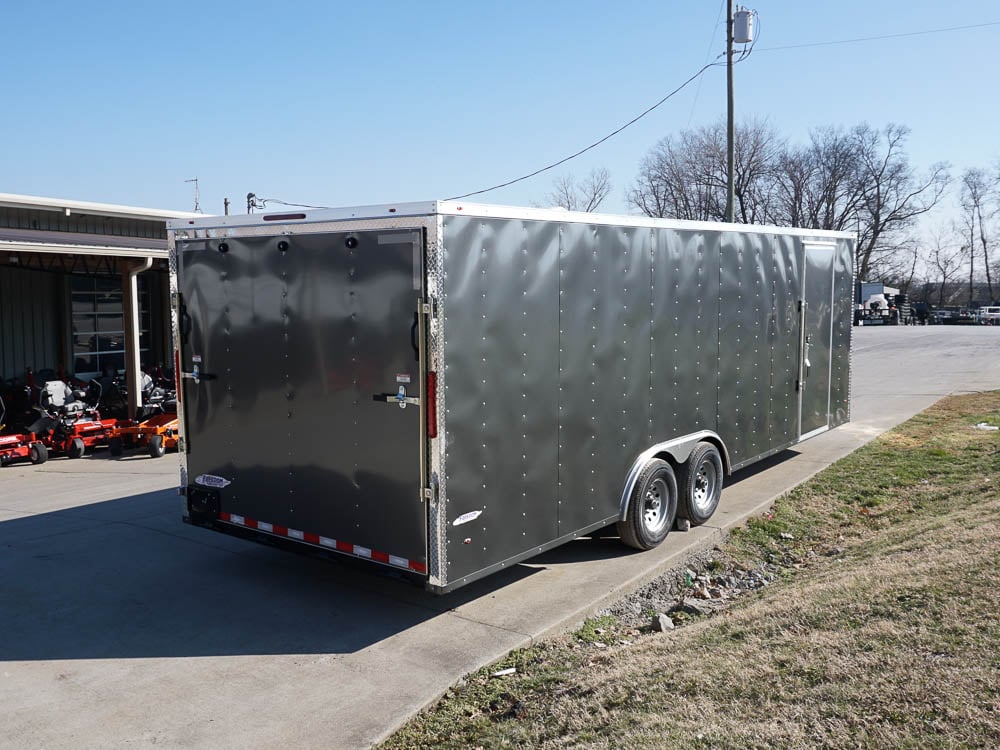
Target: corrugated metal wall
(29,320)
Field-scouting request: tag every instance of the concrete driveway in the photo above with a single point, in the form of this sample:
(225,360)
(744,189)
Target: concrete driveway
(120,626)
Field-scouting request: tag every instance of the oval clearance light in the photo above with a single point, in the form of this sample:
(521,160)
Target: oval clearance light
(283,217)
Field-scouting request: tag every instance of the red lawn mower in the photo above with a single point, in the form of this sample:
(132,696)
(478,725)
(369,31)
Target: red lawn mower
(19,446)
(69,422)
(155,426)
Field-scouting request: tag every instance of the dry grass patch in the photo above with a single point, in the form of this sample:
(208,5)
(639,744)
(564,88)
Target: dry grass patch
(882,630)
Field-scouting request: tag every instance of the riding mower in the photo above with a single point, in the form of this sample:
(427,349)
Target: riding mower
(68,423)
(18,446)
(155,428)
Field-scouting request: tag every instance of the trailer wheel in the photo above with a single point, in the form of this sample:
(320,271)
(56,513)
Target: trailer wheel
(652,507)
(156,449)
(115,446)
(76,448)
(38,453)
(701,484)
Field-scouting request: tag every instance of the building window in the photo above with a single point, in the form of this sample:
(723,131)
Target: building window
(98,324)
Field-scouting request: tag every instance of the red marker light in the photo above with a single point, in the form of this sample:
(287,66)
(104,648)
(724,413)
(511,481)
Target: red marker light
(432,404)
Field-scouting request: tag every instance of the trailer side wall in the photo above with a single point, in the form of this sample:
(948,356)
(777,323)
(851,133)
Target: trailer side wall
(571,348)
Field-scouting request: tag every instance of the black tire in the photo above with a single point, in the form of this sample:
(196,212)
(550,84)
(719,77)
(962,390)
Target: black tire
(652,508)
(38,453)
(115,446)
(156,449)
(76,448)
(701,484)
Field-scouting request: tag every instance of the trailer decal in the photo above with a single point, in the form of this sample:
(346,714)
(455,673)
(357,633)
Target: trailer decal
(321,541)
(210,480)
(466,517)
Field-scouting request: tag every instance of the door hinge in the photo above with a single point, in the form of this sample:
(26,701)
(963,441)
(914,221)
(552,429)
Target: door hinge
(429,307)
(427,493)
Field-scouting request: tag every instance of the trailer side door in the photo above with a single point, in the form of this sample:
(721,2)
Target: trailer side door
(816,338)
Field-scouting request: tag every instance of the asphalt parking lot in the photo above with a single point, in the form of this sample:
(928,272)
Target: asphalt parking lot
(124,627)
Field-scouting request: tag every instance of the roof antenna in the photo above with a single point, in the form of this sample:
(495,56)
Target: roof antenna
(197,195)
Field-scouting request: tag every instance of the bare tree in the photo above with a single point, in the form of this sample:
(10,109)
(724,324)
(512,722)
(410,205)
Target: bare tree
(821,184)
(674,181)
(858,180)
(586,195)
(685,177)
(944,257)
(976,192)
(892,196)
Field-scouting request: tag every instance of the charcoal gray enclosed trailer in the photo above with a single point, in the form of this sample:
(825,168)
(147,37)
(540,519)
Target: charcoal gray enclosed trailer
(449,388)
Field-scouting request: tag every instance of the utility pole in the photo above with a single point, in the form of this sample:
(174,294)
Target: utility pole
(730,120)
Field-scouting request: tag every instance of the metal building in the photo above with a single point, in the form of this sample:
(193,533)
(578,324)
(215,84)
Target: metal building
(83,288)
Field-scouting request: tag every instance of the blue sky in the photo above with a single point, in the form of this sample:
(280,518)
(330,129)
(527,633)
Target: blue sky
(344,104)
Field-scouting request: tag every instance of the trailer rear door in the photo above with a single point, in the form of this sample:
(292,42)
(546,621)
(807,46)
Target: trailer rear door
(304,410)
(816,342)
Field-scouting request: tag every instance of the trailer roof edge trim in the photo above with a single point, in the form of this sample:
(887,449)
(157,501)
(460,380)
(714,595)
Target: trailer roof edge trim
(485,210)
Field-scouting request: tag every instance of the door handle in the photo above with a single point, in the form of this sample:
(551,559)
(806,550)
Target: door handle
(413,336)
(197,376)
(399,397)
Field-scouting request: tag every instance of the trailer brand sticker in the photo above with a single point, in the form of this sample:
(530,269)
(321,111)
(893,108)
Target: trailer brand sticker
(196,358)
(210,480)
(402,377)
(472,515)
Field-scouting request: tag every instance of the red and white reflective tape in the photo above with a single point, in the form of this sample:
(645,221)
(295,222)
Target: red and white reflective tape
(321,541)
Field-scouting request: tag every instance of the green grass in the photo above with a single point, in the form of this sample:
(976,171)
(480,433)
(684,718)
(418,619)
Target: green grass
(882,629)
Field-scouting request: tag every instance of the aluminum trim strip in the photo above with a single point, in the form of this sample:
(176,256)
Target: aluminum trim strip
(482,210)
(814,433)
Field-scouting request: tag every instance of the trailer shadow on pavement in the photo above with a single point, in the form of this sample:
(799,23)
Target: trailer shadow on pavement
(126,579)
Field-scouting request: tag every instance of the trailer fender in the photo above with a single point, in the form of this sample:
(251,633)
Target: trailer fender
(678,450)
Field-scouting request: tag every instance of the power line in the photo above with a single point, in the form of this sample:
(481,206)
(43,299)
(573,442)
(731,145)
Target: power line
(708,52)
(593,145)
(885,36)
(265,201)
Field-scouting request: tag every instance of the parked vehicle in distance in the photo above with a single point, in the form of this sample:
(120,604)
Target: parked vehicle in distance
(989,316)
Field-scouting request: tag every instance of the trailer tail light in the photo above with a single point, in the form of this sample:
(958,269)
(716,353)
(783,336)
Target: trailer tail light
(177,374)
(432,404)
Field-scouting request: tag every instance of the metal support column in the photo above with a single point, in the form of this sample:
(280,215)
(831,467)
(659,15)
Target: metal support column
(130,298)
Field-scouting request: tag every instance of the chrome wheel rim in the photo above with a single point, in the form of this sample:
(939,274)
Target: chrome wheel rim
(654,505)
(706,481)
